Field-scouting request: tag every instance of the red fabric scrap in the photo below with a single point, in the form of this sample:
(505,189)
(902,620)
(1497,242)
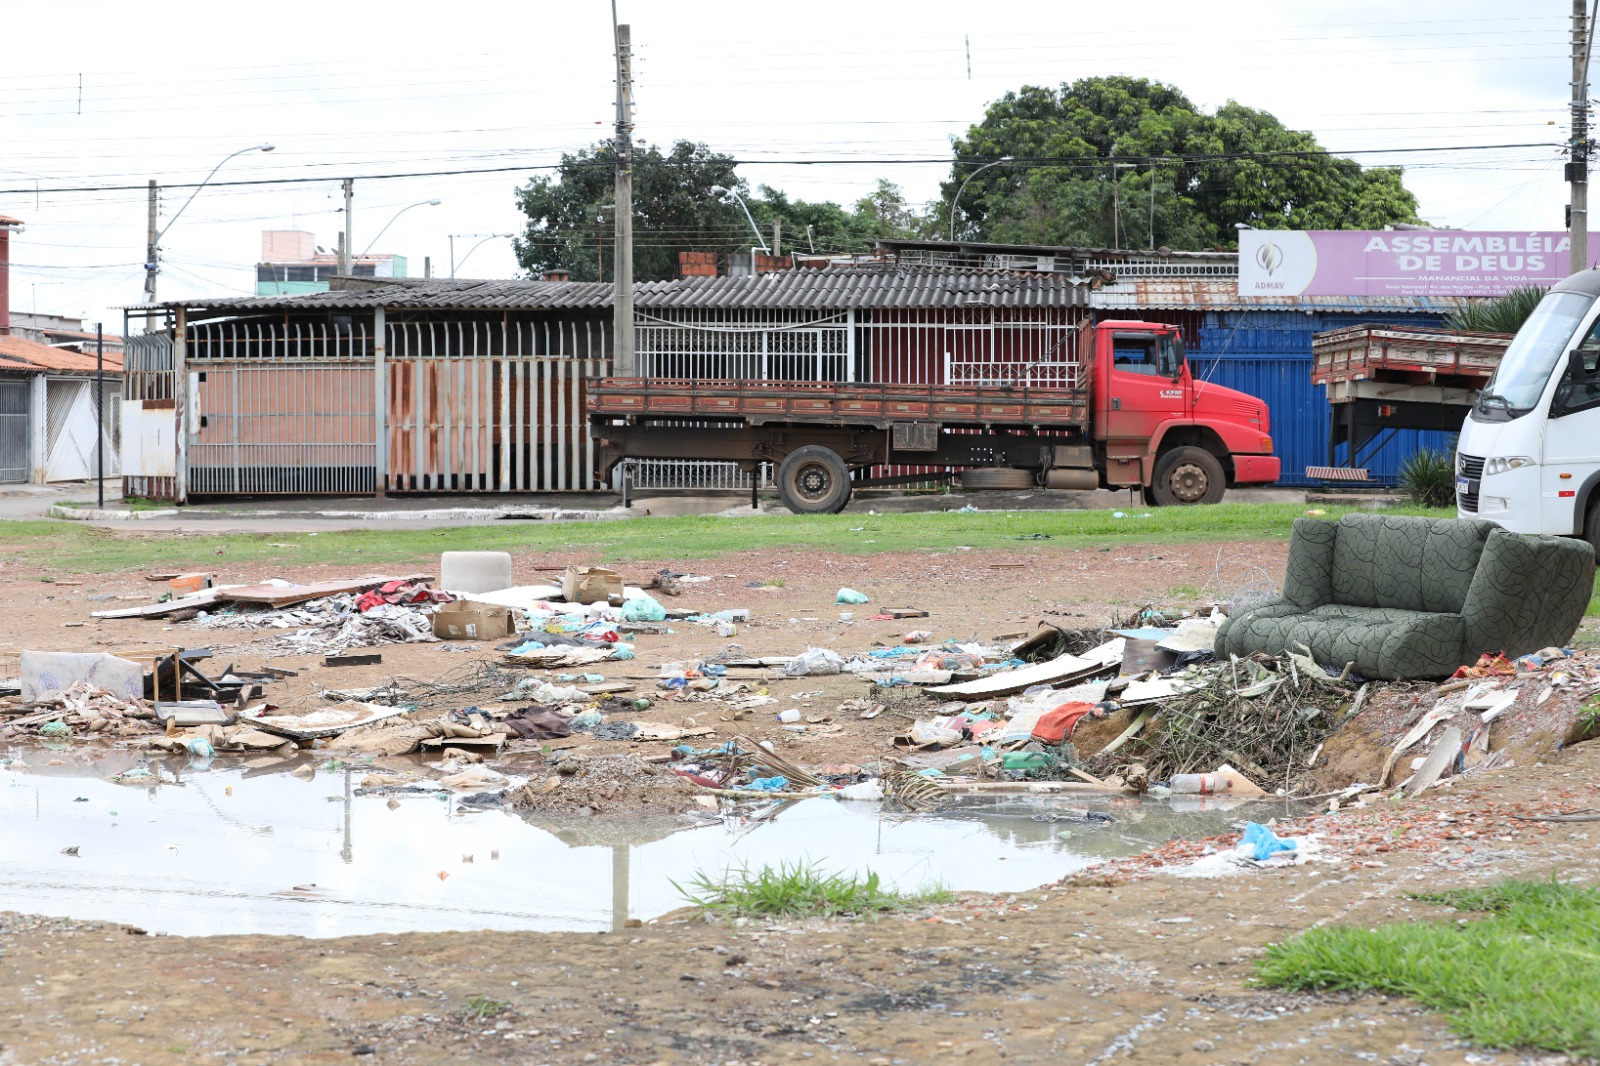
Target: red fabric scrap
(1496,665)
(1057,724)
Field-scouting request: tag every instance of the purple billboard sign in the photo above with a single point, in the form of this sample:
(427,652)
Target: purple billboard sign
(1397,262)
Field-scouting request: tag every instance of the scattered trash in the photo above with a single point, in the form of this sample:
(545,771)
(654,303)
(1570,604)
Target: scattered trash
(851,596)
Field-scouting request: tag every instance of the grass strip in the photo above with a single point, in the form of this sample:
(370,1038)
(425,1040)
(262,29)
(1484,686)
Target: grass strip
(798,890)
(74,548)
(1523,974)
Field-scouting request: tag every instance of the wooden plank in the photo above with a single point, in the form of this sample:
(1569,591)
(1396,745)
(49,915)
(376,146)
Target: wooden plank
(368,659)
(1062,668)
(288,595)
(203,598)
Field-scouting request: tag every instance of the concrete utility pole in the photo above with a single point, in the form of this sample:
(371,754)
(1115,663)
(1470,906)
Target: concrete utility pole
(1578,161)
(344,249)
(777,238)
(150,249)
(623,363)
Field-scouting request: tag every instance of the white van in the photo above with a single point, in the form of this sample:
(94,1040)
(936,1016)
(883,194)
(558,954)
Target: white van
(1529,453)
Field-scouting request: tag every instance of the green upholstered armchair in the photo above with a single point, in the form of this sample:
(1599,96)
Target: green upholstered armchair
(1405,597)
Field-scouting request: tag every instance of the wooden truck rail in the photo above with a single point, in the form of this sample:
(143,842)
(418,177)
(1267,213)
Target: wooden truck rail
(760,402)
(1382,379)
(1406,355)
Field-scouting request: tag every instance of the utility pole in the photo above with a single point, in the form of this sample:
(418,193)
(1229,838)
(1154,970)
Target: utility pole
(777,238)
(150,263)
(623,363)
(1578,160)
(344,249)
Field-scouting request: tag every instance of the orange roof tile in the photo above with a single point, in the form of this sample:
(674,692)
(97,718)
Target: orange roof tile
(28,353)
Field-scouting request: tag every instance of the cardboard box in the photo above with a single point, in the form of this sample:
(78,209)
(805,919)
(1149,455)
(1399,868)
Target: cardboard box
(590,584)
(470,620)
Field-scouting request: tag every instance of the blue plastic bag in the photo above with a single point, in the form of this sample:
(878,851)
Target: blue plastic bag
(1260,843)
(850,596)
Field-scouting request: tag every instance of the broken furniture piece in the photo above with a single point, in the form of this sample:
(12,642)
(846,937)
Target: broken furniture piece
(1409,597)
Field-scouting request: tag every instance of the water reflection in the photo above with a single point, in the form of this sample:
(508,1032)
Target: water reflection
(247,846)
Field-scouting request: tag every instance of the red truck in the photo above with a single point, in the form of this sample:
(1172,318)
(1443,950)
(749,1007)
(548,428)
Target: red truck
(1127,412)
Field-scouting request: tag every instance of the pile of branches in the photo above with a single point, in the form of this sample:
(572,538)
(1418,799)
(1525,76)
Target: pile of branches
(1264,716)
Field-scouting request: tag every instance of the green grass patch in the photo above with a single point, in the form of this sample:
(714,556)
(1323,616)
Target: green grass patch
(126,503)
(1524,974)
(798,890)
(69,547)
(482,1008)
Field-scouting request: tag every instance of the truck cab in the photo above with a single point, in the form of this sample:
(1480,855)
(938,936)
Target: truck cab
(1185,440)
(1528,457)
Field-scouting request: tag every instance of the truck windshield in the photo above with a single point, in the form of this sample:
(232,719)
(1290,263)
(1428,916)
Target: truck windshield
(1538,346)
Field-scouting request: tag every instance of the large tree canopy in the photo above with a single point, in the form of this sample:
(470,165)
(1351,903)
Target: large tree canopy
(1133,163)
(571,215)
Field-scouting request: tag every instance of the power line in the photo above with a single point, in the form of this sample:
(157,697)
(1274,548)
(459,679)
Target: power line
(1024,161)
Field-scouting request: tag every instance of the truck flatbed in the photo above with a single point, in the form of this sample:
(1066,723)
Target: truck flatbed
(761,402)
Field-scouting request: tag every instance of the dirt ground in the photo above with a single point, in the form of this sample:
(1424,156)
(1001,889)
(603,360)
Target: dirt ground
(1129,963)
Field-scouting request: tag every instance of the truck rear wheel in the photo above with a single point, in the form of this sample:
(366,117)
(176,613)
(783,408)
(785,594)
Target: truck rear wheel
(813,480)
(1188,475)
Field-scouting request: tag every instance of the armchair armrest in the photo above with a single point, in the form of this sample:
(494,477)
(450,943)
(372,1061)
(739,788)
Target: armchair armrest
(1527,593)
(1308,579)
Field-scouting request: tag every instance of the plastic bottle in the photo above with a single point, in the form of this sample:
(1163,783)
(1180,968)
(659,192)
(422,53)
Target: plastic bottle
(1199,784)
(789,716)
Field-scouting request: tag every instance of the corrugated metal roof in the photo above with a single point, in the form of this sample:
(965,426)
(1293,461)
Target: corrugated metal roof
(903,287)
(416,293)
(1222,294)
(28,354)
(873,288)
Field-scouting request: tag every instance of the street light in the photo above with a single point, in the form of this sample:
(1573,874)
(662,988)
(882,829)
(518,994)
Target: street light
(152,262)
(487,237)
(957,197)
(397,214)
(719,190)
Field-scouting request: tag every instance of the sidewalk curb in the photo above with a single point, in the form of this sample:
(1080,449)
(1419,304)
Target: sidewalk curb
(95,514)
(446,514)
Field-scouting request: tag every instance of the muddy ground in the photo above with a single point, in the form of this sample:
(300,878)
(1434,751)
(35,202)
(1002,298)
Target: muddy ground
(1131,963)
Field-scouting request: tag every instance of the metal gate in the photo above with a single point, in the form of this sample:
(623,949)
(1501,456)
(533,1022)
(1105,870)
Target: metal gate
(14,433)
(71,425)
(282,428)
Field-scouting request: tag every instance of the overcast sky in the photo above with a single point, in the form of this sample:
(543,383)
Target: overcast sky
(803,92)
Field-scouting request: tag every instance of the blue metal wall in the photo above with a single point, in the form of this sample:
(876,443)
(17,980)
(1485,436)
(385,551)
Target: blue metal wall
(1268,354)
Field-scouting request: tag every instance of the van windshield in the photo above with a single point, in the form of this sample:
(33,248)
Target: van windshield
(1533,354)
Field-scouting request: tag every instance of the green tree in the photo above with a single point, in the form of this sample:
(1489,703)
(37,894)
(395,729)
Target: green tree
(884,212)
(1133,162)
(572,214)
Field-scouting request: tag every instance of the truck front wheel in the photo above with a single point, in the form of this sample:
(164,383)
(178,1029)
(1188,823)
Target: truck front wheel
(813,480)
(1188,475)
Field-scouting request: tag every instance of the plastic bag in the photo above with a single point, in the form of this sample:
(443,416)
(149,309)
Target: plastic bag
(814,662)
(850,596)
(1260,843)
(934,734)
(644,609)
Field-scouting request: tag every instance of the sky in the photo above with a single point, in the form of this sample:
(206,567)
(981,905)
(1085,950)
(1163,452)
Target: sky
(103,97)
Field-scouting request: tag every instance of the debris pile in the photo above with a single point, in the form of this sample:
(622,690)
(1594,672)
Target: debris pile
(605,784)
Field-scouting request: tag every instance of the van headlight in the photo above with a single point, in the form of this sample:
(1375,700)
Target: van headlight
(1499,465)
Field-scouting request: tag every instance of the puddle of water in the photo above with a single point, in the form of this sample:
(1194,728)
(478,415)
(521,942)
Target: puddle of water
(223,851)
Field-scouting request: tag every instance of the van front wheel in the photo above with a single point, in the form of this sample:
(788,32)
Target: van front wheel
(1186,476)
